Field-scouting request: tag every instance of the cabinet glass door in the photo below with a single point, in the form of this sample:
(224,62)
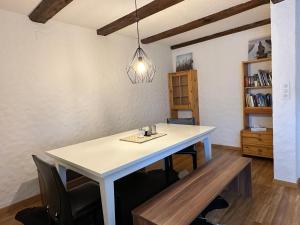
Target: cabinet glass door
(180,90)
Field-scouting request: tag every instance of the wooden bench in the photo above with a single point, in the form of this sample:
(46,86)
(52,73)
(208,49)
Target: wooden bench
(182,202)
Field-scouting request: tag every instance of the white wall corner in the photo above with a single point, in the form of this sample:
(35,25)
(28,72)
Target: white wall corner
(284,72)
(298,83)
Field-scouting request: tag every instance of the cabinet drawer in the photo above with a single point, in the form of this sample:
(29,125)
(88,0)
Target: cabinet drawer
(258,151)
(257,139)
(247,133)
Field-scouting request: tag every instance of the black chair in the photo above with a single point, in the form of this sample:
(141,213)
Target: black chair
(191,150)
(134,189)
(81,205)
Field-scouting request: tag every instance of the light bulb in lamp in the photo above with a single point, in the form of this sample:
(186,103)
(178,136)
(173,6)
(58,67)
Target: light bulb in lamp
(141,65)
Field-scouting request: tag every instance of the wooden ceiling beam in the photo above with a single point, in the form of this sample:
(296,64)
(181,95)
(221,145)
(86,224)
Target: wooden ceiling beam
(224,33)
(276,1)
(143,12)
(47,9)
(206,20)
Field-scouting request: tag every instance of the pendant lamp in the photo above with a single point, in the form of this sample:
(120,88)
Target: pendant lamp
(140,69)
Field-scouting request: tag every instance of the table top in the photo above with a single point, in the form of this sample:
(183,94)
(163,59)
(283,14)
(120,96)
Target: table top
(103,155)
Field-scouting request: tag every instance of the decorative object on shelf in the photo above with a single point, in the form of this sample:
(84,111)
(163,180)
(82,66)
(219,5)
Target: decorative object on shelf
(184,62)
(141,69)
(258,129)
(260,48)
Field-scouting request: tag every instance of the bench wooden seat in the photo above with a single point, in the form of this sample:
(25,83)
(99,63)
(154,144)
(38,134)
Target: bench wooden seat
(182,202)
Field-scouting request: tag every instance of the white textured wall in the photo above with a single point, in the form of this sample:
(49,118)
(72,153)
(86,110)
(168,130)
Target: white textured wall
(62,84)
(218,63)
(298,83)
(284,72)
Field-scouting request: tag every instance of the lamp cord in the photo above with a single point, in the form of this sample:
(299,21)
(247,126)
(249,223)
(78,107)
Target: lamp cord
(137,23)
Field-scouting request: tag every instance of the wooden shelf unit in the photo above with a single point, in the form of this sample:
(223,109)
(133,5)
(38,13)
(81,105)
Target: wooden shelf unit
(258,110)
(257,60)
(259,87)
(183,93)
(255,143)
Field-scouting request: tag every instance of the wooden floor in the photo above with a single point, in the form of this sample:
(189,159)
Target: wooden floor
(270,204)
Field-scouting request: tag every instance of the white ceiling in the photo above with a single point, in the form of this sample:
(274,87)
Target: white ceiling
(97,13)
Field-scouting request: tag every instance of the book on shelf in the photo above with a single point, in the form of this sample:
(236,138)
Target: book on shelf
(261,79)
(259,100)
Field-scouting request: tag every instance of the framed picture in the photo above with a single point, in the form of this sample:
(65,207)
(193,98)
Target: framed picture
(184,62)
(260,48)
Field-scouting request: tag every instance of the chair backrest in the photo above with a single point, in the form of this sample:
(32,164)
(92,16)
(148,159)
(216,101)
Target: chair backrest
(56,196)
(185,121)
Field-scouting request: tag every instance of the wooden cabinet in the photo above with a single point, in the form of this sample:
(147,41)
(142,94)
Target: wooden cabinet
(255,143)
(258,143)
(183,93)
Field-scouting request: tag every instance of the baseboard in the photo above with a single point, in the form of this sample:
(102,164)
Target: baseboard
(287,184)
(226,147)
(13,208)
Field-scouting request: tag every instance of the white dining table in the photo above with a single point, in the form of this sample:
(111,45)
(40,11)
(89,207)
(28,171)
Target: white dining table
(108,159)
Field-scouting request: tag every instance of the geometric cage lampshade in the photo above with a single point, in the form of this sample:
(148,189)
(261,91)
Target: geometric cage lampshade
(141,69)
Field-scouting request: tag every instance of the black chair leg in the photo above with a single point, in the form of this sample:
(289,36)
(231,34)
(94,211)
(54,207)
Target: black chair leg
(168,168)
(171,162)
(195,164)
(96,218)
(167,164)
